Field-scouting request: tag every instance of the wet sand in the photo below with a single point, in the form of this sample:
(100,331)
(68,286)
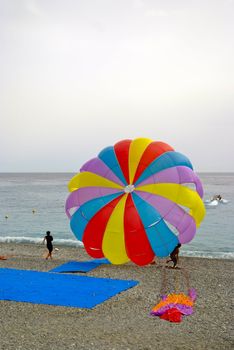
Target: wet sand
(122,322)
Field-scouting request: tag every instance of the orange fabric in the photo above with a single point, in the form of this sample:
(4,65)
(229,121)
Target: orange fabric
(174,299)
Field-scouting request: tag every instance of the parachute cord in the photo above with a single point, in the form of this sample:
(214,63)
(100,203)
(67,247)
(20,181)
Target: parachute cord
(187,279)
(176,282)
(163,281)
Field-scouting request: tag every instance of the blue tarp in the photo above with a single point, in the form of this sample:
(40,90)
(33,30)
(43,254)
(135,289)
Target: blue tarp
(80,266)
(58,289)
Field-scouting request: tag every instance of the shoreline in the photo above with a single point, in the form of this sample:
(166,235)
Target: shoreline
(122,322)
(78,245)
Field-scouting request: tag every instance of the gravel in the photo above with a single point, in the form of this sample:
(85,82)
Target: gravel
(122,322)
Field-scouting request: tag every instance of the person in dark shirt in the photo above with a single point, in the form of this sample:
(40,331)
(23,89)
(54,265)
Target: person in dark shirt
(175,255)
(48,238)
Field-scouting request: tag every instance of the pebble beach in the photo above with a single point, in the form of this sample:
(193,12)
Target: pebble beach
(124,321)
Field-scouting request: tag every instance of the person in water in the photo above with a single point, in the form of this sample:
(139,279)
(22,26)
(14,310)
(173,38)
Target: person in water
(217,197)
(48,238)
(175,255)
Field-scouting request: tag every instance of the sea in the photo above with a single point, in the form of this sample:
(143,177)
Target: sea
(33,203)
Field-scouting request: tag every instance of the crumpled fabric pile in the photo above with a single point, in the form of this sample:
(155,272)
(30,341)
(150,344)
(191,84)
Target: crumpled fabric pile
(173,307)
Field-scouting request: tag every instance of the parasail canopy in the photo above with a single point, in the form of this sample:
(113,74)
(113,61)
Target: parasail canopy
(138,199)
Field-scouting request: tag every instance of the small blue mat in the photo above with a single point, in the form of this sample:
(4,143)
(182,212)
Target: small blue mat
(57,289)
(80,266)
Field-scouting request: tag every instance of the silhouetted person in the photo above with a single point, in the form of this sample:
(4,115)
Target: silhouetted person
(48,238)
(175,255)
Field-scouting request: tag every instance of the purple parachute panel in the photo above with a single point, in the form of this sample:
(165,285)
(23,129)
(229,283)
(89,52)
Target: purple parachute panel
(85,194)
(173,214)
(177,175)
(97,166)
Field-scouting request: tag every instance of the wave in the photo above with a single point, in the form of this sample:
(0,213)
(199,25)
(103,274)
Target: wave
(33,240)
(209,255)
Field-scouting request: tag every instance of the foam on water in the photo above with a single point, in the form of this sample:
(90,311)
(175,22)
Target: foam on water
(206,254)
(33,240)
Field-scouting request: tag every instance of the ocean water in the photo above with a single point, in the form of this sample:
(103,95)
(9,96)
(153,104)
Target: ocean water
(46,193)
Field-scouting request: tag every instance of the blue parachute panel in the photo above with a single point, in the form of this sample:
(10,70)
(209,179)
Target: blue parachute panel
(81,217)
(161,238)
(108,156)
(166,160)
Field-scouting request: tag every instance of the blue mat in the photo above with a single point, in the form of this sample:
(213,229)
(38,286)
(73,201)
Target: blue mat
(57,289)
(80,266)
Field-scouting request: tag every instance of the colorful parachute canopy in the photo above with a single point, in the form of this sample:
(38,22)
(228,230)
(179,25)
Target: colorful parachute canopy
(136,200)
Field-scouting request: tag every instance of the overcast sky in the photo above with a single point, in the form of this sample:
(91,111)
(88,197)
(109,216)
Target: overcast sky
(79,75)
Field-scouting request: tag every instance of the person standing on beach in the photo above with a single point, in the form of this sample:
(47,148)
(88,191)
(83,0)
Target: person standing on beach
(175,255)
(48,238)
